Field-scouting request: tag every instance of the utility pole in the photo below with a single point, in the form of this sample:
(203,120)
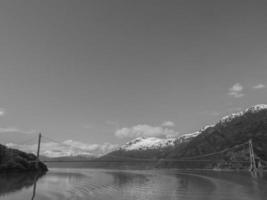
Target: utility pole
(39,143)
(38,149)
(253,167)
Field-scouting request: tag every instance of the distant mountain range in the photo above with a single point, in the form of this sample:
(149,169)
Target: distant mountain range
(66,158)
(232,131)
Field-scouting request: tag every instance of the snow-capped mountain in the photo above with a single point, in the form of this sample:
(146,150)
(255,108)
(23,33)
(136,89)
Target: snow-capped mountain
(232,130)
(225,119)
(188,136)
(153,143)
(252,109)
(142,143)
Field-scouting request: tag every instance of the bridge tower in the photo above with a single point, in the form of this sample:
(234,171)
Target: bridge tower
(253,166)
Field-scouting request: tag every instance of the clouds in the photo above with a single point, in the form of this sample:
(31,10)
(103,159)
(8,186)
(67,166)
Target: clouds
(9,129)
(144,130)
(15,130)
(236,90)
(2,112)
(258,87)
(67,148)
(168,124)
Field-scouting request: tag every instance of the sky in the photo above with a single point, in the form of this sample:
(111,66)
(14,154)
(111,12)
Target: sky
(103,72)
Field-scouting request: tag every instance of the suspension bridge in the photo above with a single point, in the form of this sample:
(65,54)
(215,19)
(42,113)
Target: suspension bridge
(254,162)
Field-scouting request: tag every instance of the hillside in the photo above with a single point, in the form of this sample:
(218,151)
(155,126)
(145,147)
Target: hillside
(232,132)
(142,143)
(15,160)
(148,148)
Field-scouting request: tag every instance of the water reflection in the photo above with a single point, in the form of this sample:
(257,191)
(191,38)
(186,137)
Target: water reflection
(12,182)
(83,184)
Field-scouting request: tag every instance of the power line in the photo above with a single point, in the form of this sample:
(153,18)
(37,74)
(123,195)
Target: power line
(183,159)
(209,154)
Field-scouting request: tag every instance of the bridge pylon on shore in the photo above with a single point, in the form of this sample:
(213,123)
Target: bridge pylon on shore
(255,164)
(38,149)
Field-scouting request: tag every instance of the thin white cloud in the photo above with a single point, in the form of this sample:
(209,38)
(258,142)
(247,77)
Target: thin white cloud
(236,90)
(259,86)
(9,129)
(67,148)
(2,112)
(168,124)
(144,130)
(15,130)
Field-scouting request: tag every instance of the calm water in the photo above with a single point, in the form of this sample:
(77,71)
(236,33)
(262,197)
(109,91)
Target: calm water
(96,184)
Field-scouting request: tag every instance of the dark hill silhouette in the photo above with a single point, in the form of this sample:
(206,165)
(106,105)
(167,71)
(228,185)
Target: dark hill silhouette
(15,160)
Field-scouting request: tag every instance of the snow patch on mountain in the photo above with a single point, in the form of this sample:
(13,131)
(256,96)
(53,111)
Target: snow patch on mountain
(142,143)
(252,109)
(188,136)
(257,108)
(206,127)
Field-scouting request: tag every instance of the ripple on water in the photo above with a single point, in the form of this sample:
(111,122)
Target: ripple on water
(86,184)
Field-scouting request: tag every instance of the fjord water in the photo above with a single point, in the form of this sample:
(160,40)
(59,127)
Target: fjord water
(100,184)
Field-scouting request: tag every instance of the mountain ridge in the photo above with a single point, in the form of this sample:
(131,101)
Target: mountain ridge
(229,132)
